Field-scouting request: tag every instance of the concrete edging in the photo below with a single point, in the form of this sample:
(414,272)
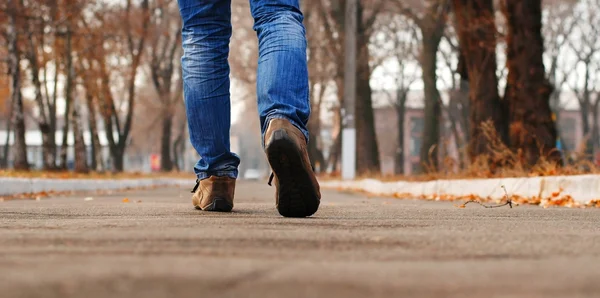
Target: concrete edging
(13,186)
(582,188)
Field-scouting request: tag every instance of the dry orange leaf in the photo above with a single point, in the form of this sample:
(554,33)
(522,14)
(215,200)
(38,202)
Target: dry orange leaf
(125,200)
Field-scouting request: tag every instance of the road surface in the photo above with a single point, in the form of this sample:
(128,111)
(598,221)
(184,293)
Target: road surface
(353,247)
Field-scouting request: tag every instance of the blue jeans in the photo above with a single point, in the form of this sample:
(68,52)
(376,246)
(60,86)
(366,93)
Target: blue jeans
(282,78)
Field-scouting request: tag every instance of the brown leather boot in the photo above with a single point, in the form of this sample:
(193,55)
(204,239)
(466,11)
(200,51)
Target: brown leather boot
(214,194)
(298,193)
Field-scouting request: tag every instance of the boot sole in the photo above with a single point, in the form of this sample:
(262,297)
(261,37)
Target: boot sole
(218,205)
(297,196)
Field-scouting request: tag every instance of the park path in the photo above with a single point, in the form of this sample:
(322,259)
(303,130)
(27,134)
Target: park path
(157,245)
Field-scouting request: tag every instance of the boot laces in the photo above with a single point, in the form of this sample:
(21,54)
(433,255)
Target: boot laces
(196,187)
(271,178)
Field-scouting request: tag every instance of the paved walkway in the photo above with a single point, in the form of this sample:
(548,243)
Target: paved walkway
(353,247)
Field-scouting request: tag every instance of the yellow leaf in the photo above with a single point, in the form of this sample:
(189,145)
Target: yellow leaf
(125,200)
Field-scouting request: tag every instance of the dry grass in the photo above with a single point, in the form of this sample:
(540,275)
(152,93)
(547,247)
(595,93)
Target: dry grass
(91,175)
(487,166)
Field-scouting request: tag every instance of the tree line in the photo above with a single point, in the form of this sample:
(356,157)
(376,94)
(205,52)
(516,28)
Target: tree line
(89,56)
(98,65)
(509,63)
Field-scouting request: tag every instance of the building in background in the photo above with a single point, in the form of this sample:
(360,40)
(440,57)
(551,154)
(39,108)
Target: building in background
(134,161)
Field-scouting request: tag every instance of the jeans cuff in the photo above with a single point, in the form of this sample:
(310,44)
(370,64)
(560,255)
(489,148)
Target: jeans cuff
(206,175)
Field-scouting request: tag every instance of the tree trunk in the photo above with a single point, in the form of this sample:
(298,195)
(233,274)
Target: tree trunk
(166,163)
(367,150)
(333,161)
(433,115)
(336,130)
(179,146)
(107,110)
(6,149)
(461,96)
(465,110)
(51,149)
(48,149)
(477,37)
(68,99)
(81,165)
(457,138)
(118,160)
(97,162)
(313,151)
(595,130)
(585,106)
(314,130)
(18,120)
(555,106)
(399,160)
(532,129)
(584,112)
(135,52)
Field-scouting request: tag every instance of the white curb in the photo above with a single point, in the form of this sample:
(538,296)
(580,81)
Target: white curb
(582,188)
(12,186)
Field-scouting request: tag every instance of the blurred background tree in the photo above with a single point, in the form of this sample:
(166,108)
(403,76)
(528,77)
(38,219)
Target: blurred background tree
(96,85)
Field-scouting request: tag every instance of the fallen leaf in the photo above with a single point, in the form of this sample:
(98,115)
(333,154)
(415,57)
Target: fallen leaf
(88,199)
(125,200)
(138,201)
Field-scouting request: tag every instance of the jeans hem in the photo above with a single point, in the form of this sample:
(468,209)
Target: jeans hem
(206,175)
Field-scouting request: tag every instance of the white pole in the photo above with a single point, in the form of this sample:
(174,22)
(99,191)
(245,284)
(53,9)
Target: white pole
(348,109)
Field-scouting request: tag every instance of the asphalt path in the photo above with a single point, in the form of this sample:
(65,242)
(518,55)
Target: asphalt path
(157,245)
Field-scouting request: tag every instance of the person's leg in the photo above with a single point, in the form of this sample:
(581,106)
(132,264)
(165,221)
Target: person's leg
(282,79)
(205,36)
(283,104)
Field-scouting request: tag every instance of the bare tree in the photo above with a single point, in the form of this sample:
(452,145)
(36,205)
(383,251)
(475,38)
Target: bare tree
(457,109)
(586,47)
(367,148)
(367,151)
(81,165)
(136,25)
(165,46)
(321,70)
(38,58)
(400,43)
(89,77)
(559,22)
(18,120)
(332,16)
(430,16)
(532,130)
(69,86)
(476,28)
(5,106)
